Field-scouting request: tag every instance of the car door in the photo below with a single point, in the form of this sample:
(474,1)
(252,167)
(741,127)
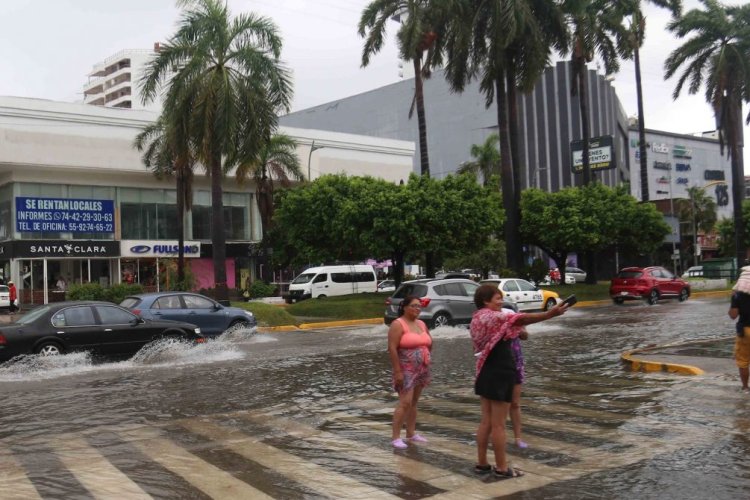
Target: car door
(510,289)
(77,328)
(467,301)
(121,331)
(668,285)
(168,307)
(320,285)
(207,314)
(532,297)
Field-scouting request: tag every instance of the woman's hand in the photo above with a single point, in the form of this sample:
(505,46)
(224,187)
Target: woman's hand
(398,380)
(558,310)
(524,334)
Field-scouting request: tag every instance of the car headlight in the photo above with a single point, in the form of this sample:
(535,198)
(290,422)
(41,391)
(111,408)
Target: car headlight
(249,314)
(197,331)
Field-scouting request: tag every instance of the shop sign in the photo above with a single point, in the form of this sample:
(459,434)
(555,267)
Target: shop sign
(62,215)
(682,152)
(601,154)
(659,147)
(6,250)
(663,165)
(663,180)
(682,167)
(158,248)
(713,175)
(682,180)
(60,248)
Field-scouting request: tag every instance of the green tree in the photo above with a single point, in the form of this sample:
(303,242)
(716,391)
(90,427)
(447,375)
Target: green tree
(597,28)
(417,34)
(698,212)
(725,228)
(277,159)
(589,218)
(222,76)
(483,258)
(636,38)
(717,55)
(486,160)
(165,149)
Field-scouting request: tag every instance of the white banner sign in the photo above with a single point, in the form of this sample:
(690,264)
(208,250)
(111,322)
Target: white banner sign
(158,248)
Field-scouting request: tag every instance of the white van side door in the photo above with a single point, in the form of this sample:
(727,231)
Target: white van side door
(319,285)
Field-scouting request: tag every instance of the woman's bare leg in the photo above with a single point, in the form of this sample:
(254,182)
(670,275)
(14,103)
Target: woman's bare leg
(483,432)
(411,416)
(401,412)
(499,413)
(515,413)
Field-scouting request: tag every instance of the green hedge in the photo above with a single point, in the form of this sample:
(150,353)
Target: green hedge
(94,291)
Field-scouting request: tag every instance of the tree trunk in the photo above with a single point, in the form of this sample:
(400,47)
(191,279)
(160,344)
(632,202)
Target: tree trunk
(398,267)
(512,233)
(738,183)
(424,159)
(181,226)
(513,133)
(218,238)
(641,126)
(584,107)
(265,210)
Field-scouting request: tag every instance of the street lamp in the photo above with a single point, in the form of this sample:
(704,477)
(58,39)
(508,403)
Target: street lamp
(313,147)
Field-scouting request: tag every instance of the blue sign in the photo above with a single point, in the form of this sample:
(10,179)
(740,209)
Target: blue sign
(62,215)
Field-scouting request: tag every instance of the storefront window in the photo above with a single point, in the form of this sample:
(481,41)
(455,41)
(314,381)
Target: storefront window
(148,213)
(6,218)
(236,216)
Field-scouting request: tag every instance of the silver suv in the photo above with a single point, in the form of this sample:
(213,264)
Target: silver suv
(444,301)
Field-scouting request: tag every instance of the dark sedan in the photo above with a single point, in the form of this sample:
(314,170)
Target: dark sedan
(209,315)
(99,327)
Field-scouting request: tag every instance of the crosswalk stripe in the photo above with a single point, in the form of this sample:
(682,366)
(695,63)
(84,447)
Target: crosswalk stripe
(95,472)
(208,478)
(313,476)
(14,483)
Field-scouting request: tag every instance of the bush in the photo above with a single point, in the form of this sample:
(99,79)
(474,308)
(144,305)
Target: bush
(536,272)
(260,289)
(94,291)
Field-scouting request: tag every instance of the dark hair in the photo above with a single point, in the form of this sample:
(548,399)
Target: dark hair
(484,294)
(407,300)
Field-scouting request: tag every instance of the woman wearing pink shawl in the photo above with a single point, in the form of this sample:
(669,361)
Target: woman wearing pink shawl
(492,330)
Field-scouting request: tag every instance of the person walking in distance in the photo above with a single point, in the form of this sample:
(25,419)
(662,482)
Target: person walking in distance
(12,297)
(409,348)
(740,308)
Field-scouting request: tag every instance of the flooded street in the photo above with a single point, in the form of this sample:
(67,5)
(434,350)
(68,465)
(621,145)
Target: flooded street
(306,415)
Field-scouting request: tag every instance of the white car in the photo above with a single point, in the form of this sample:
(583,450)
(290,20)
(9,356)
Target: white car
(4,296)
(524,294)
(569,280)
(387,286)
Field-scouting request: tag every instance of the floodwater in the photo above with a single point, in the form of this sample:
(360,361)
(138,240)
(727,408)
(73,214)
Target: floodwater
(306,414)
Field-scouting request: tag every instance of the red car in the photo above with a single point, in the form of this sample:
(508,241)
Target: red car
(648,283)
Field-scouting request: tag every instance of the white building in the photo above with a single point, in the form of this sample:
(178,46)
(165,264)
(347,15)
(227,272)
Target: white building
(114,82)
(76,201)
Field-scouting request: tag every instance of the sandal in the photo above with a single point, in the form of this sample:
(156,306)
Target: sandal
(482,469)
(509,473)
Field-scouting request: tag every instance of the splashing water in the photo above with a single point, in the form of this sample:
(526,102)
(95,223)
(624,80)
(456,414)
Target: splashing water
(237,334)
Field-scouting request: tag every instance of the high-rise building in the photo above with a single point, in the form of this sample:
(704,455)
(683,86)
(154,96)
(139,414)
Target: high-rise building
(114,82)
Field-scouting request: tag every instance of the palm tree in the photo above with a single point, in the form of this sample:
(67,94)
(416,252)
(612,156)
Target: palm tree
(486,160)
(278,160)
(223,77)
(166,151)
(418,34)
(637,36)
(718,54)
(597,28)
(699,212)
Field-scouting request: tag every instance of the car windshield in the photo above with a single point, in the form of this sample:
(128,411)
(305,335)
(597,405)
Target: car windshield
(303,278)
(33,315)
(130,302)
(629,274)
(410,289)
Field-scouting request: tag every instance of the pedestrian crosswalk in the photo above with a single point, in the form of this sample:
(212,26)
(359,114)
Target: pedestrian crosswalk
(338,449)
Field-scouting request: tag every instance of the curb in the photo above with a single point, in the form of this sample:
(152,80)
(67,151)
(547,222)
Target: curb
(655,366)
(321,324)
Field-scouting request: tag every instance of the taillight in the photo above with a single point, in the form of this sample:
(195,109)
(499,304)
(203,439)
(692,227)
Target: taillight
(388,301)
(200,340)
(3,340)
(137,312)
(424,301)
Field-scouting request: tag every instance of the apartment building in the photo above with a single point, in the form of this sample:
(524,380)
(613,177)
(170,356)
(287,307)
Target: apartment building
(114,82)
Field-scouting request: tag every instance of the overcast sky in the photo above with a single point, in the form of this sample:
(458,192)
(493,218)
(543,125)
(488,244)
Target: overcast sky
(47,47)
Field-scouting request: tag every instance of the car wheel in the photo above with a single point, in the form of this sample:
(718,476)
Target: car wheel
(50,349)
(321,296)
(684,294)
(549,304)
(240,324)
(618,300)
(653,297)
(441,319)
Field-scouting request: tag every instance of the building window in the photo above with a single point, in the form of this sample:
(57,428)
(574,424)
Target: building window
(148,221)
(236,216)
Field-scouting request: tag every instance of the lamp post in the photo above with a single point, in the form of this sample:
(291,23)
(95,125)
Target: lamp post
(313,147)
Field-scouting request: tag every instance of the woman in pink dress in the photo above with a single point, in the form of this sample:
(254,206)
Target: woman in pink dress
(492,332)
(409,347)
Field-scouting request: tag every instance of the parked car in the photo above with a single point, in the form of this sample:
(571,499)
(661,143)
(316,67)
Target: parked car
(4,297)
(444,302)
(100,327)
(524,294)
(648,283)
(692,272)
(209,315)
(452,274)
(387,286)
(579,275)
(330,281)
(569,280)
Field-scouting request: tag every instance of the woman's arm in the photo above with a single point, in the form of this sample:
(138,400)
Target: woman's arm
(530,318)
(394,339)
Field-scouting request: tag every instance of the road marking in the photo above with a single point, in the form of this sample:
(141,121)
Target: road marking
(95,472)
(208,478)
(313,476)
(14,482)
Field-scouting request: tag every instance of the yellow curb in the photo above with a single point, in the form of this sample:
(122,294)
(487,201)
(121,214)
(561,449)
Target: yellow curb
(282,328)
(656,366)
(349,322)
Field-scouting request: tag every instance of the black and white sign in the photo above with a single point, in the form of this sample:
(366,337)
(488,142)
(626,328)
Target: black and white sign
(61,248)
(158,248)
(601,154)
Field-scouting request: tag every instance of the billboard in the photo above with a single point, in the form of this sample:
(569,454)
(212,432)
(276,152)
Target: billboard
(61,215)
(601,154)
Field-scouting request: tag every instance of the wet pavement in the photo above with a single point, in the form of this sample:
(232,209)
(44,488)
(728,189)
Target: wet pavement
(306,415)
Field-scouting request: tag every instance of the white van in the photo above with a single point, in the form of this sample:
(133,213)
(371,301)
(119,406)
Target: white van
(328,281)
